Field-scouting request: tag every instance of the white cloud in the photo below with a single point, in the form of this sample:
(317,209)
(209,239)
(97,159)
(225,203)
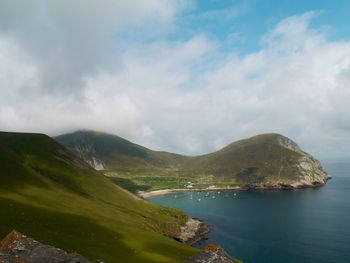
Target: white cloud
(70,40)
(184,96)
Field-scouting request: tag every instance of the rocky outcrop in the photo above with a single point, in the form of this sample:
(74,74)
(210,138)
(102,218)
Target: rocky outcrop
(310,170)
(18,248)
(288,143)
(194,231)
(212,253)
(87,153)
(280,186)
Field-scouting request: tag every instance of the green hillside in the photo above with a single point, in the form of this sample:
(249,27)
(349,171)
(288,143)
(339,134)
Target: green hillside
(51,195)
(115,152)
(255,160)
(270,160)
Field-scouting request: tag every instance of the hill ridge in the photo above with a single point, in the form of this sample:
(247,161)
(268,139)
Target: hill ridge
(268,160)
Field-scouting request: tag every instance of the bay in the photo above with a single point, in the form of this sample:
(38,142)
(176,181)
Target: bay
(309,225)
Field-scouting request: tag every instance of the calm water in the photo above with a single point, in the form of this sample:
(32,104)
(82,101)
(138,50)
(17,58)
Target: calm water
(311,225)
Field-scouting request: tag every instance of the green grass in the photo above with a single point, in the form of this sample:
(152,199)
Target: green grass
(50,195)
(135,181)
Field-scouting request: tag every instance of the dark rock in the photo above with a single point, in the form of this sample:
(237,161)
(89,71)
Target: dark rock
(17,248)
(201,234)
(194,231)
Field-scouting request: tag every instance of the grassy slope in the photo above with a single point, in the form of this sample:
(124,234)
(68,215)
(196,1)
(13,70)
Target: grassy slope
(53,197)
(118,153)
(258,159)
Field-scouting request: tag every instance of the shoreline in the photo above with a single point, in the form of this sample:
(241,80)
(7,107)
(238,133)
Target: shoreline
(247,187)
(179,190)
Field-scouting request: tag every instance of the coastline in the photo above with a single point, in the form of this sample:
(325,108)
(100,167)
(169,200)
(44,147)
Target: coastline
(178,190)
(246,187)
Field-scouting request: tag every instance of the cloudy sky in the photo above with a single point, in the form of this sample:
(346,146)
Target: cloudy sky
(183,76)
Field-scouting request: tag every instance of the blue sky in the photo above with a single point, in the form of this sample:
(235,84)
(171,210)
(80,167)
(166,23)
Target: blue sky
(240,24)
(249,20)
(183,76)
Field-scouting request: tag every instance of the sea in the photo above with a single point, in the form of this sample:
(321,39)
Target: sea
(306,226)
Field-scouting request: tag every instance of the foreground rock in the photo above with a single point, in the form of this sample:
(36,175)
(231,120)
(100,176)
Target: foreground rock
(17,248)
(212,253)
(194,231)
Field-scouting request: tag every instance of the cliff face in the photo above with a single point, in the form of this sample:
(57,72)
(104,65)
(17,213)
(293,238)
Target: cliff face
(310,171)
(87,153)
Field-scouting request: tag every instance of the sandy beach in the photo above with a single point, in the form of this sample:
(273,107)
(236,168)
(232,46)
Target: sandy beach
(169,191)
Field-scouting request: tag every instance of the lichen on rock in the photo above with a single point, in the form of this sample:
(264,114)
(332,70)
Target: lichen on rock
(18,248)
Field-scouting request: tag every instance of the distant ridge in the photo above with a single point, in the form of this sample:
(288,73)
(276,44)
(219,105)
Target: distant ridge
(263,161)
(105,151)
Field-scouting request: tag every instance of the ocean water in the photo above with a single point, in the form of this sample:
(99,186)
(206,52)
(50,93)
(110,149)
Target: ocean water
(310,225)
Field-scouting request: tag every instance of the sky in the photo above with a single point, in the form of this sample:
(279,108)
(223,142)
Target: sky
(183,76)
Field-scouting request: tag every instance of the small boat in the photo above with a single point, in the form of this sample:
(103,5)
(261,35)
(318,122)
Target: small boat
(234,194)
(199,199)
(213,196)
(207,195)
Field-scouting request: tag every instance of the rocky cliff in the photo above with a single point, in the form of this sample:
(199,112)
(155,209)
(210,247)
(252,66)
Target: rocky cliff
(311,173)
(18,248)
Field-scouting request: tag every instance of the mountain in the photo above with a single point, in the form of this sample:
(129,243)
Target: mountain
(266,160)
(53,196)
(262,161)
(105,151)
